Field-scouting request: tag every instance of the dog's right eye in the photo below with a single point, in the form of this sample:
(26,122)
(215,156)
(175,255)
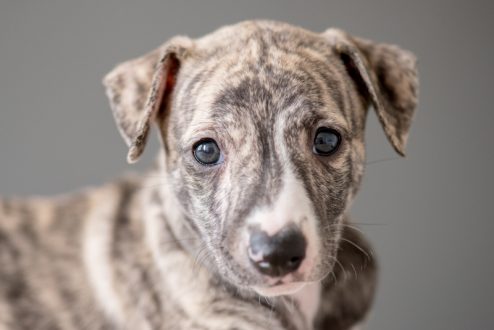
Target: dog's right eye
(326,141)
(207,152)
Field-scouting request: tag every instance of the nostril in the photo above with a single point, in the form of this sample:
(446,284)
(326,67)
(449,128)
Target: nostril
(295,260)
(264,265)
(294,263)
(279,254)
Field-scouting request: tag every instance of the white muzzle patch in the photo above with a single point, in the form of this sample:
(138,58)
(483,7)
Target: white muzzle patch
(292,207)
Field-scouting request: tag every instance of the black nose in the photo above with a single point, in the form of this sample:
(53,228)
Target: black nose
(279,254)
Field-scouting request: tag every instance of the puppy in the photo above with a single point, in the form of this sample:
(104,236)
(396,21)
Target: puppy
(242,223)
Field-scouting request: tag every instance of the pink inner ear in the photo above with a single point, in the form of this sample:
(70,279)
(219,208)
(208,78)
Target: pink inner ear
(171,79)
(157,105)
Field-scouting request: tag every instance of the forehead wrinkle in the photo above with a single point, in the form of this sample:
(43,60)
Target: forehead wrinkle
(203,118)
(296,114)
(208,129)
(220,82)
(330,71)
(320,95)
(309,64)
(200,99)
(194,82)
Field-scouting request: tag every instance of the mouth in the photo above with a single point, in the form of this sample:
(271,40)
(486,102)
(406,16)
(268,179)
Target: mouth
(279,289)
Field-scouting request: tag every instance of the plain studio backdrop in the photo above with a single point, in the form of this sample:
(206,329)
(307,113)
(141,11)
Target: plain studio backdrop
(429,215)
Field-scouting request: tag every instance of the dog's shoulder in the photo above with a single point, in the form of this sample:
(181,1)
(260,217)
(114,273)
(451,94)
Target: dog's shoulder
(42,252)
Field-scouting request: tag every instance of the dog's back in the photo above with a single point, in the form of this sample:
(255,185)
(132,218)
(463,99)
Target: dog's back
(44,281)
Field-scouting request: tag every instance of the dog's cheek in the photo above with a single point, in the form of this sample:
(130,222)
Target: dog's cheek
(229,242)
(328,185)
(227,204)
(357,165)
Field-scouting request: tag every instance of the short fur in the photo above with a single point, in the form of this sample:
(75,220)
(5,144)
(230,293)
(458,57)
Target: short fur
(166,250)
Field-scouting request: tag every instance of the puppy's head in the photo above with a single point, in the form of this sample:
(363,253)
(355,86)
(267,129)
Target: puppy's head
(262,126)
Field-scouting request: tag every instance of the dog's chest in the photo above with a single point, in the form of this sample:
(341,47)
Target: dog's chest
(308,299)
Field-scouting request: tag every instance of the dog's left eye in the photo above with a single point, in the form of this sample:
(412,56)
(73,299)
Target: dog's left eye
(326,141)
(207,152)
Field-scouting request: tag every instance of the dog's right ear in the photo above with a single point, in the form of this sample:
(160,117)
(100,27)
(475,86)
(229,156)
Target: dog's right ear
(139,89)
(387,75)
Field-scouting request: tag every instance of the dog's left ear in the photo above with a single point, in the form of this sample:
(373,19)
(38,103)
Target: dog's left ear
(387,75)
(139,91)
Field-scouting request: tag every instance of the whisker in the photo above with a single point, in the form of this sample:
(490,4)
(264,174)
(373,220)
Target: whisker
(200,256)
(381,160)
(356,246)
(370,224)
(178,240)
(345,275)
(347,226)
(354,270)
(334,276)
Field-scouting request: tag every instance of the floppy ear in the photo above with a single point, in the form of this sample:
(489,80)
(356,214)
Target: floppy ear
(139,89)
(387,75)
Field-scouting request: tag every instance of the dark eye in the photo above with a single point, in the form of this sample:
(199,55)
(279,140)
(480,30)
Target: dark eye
(207,152)
(326,141)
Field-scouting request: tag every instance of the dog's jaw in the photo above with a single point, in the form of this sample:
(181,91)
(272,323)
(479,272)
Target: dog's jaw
(280,289)
(305,295)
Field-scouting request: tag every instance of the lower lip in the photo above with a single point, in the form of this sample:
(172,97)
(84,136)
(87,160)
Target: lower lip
(280,289)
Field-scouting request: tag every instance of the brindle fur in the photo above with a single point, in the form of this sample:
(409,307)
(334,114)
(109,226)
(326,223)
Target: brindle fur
(159,251)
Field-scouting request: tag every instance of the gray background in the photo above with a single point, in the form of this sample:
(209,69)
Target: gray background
(429,216)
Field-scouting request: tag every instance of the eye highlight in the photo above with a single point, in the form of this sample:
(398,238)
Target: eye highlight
(207,152)
(326,141)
